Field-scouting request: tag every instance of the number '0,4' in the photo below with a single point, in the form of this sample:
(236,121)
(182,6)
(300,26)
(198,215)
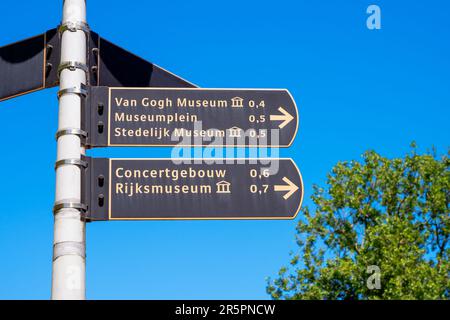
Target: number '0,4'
(252,104)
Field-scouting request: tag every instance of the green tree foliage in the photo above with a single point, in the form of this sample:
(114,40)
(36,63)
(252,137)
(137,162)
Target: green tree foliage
(392,214)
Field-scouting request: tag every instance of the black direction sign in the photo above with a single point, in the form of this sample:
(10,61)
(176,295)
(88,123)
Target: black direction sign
(188,189)
(190,117)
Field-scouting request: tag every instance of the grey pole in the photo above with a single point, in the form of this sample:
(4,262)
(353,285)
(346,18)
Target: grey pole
(69,245)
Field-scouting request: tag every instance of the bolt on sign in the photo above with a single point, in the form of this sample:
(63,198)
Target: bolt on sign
(192,189)
(190,117)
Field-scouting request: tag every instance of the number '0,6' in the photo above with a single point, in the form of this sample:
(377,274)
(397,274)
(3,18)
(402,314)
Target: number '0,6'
(264,173)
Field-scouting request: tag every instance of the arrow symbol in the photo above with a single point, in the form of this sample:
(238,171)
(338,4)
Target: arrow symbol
(285,117)
(290,187)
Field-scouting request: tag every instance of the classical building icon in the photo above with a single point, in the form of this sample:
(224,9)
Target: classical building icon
(235,132)
(237,102)
(223,187)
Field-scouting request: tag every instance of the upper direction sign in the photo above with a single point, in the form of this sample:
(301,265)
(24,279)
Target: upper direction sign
(190,117)
(165,189)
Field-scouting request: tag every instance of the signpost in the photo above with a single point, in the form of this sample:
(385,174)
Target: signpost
(190,117)
(192,189)
(110,97)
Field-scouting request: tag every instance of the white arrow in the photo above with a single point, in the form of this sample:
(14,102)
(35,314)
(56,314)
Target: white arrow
(285,117)
(290,187)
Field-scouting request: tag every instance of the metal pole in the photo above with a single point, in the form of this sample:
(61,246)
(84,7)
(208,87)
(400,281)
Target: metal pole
(69,245)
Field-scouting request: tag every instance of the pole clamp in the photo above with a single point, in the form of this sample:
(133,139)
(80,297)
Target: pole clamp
(71,131)
(81,91)
(75,162)
(72,66)
(69,205)
(73,27)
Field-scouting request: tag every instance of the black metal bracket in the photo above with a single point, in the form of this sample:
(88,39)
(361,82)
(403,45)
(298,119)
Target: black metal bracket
(93,58)
(52,57)
(95,189)
(95,117)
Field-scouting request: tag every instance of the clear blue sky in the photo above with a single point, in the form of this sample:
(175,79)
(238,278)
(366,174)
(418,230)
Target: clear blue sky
(356,90)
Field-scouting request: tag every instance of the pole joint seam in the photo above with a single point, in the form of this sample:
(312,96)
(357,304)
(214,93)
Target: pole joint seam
(69,248)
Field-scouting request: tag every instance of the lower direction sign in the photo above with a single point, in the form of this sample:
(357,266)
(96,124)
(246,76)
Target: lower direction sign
(166,189)
(190,117)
